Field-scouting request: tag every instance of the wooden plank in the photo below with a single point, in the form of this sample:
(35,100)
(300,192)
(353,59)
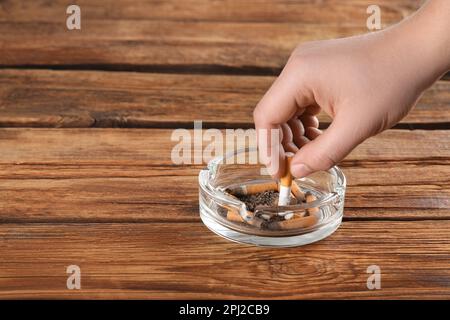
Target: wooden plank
(304,11)
(153,147)
(49,193)
(42,98)
(171,260)
(139,43)
(120,34)
(122,175)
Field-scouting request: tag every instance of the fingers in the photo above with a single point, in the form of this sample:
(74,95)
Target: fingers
(287,140)
(297,127)
(298,132)
(327,149)
(312,133)
(302,130)
(309,120)
(280,104)
(312,109)
(301,141)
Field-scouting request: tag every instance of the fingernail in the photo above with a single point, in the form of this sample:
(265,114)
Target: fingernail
(300,170)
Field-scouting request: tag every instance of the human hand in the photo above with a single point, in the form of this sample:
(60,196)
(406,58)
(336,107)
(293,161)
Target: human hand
(366,84)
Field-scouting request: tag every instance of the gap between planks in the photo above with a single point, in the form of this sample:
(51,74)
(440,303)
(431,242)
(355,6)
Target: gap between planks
(149,125)
(198,69)
(190,221)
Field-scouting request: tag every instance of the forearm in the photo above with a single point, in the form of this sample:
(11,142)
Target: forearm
(425,40)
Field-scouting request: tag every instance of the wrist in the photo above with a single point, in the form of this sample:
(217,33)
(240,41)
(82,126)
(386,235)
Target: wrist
(426,40)
(417,50)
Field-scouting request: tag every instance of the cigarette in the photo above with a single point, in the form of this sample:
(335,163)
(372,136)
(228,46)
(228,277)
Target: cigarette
(284,197)
(310,198)
(299,214)
(297,192)
(292,200)
(248,215)
(255,188)
(249,218)
(293,223)
(233,215)
(257,222)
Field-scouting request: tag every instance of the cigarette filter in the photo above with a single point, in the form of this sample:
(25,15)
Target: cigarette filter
(311,198)
(234,216)
(297,192)
(254,188)
(284,197)
(293,223)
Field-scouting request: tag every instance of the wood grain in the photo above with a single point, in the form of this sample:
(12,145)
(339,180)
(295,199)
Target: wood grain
(173,260)
(141,194)
(111,200)
(84,175)
(201,33)
(42,98)
(154,146)
(304,11)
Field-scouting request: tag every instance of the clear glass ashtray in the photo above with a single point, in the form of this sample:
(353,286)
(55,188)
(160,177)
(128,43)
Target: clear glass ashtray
(229,185)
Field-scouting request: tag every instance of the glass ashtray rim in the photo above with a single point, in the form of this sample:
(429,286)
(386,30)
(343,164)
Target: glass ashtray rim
(224,198)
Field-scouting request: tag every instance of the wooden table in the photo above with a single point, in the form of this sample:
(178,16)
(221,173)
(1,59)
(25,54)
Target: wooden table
(85,166)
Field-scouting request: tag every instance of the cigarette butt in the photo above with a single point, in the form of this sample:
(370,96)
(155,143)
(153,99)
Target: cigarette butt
(275,201)
(297,192)
(266,216)
(284,197)
(254,188)
(257,222)
(261,187)
(293,223)
(293,200)
(234,216)
(286,180)
(288,216)
(299,214)
(248,215)
(310,198)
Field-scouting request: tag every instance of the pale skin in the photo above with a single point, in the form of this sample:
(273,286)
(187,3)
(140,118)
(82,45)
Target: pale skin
(366,84)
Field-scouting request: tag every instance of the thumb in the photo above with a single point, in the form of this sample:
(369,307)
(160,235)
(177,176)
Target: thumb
(322,153)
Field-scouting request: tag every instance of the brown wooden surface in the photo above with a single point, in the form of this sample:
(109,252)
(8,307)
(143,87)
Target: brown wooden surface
(122,174)
(236,34)
(41,98)
(301,11)
(185,260)
(76,190)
